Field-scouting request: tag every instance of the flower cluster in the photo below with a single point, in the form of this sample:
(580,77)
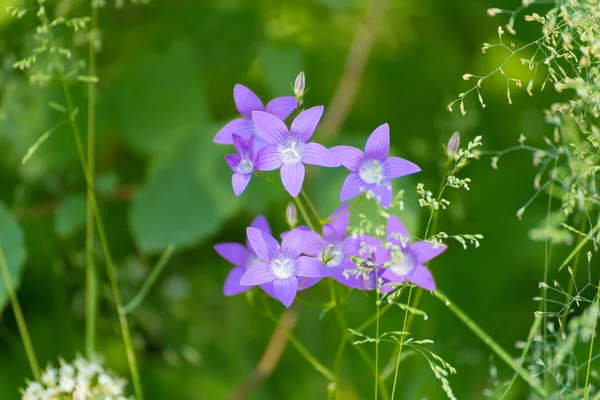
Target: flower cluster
(81,380)
(303,257)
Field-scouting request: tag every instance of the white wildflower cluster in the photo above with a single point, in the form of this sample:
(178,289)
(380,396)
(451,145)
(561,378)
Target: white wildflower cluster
(81,380)
(428,200)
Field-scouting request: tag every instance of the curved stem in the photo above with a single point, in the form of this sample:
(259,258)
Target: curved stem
(589,364)
(91,291)
(16,306)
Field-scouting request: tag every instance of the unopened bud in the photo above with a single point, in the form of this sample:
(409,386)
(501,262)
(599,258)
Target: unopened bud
(291,215)
(453,145)
(300,85)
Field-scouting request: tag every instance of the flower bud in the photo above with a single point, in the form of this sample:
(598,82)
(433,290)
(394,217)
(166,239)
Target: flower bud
(453,145)
(299,85)
(291,215)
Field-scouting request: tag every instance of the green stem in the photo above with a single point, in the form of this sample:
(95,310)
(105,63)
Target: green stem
(16,306)
(495,347)
(305,215)
(587,374)
(312,360)
(579,246)
(337,365)
(91,298)
(313,210)
(406,313)
(154,274)
(572,281)
(127,340)
(378,304)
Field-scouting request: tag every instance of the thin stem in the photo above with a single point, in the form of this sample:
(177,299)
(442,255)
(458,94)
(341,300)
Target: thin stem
(587,374)
(406,313)
(16,306)
(572,281)
(495,347)
(313,210)
(127,340)
(305,214)
(312,360)
(91,292)
(337,365)
(378,304)
(154,274)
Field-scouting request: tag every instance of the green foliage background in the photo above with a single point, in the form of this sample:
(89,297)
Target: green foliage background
(167,72)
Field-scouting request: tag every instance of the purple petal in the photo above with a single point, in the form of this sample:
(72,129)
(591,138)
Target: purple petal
(292,176)
(317,154)
(383,193)
(243,147)
(282,107)
(257,275)
(268,159)
(353,280)
(293,242)
(350,157)
(232,283)
(246,101)
(264,245)
(352,187)
(272,129)
(240,126)
(395,167)
(235,253)
(306,122)
(261,223)
(305,283)
(314,243)
(424,251)
(395,227)
(378,144)
(421,276)
(339,224)
(310,268)
(239,182)
(363,246)
(233,160)
(286,290)
(270,290)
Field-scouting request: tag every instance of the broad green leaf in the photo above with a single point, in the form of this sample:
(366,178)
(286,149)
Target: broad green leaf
(70,215)
(187,195)
(161,98)
(12,241)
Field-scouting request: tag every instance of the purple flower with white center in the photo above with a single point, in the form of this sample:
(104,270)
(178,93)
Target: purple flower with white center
(246,102)
(406,261)
(242,164)
(243,257)
(281,265)
(290,149)
(373,169)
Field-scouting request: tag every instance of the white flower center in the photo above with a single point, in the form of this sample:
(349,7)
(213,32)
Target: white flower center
(331,256)
(251,261)
(245,167)
(371,171)
(403,266)
(283,268)
(292,152)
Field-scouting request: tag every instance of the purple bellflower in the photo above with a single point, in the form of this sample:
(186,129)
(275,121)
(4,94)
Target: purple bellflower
(246,102)
(290,149)
(243,257)
(405,262)
(242,164)
(373,169)
(281,265)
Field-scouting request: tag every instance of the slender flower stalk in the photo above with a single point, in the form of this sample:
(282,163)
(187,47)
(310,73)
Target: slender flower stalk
(16,306)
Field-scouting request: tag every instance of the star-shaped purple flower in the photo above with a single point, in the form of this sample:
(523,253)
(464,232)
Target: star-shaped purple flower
(405,262)
(242,164)
(247,102)
(373,169)
(290,149)
(243,257)
(280,265)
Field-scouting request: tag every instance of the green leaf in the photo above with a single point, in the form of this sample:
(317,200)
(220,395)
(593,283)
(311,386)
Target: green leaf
(280,67)
(161,98)
(12,241)
(186,197)
(70,215)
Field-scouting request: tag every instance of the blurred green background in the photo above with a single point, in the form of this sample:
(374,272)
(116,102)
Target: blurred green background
(167,72)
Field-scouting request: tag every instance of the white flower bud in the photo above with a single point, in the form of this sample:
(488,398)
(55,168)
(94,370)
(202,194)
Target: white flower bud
(300,85)
(291,215)
(453,145)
